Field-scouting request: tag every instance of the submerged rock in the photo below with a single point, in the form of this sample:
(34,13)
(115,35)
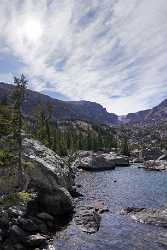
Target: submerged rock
(100,207)
(129,210)
(87,219)
(156,217)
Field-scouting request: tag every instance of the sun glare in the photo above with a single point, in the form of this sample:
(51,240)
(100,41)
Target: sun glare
(32,30)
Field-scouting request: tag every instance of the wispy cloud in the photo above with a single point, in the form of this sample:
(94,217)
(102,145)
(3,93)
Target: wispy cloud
(110,51)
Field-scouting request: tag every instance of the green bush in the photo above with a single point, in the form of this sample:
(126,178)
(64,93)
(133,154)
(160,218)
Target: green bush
(5,157)
(15,198)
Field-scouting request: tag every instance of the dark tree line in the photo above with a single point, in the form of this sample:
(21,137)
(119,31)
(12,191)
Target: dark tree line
(70,139)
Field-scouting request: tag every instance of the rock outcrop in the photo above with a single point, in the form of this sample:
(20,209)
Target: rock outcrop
(157,217)
(50,181)
(157,165)
(46,167)
(90,161)
(43,168)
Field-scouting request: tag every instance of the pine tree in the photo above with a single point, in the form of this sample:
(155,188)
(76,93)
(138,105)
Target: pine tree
(18,97)
(48,119)
(125,147)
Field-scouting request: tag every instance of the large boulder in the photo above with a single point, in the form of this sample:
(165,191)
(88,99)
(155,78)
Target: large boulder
(100,161)
(46,167)
(42,166)
(52,177)
(52,201)
(45,170)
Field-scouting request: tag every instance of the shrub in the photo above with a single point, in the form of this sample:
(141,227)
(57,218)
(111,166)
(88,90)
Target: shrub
(15,198)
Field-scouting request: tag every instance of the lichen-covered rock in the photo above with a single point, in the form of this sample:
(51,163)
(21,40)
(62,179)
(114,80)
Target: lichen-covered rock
(42,167)
(47,167)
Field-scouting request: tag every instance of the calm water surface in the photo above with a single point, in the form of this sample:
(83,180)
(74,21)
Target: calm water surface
(134,187)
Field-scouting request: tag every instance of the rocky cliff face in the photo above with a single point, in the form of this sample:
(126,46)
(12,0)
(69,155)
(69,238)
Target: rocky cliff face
(64,110)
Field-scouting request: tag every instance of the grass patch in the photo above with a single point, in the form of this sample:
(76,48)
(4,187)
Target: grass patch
(5,157)
(15,198)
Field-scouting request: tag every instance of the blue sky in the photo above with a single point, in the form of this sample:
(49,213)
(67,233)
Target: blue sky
(113,52)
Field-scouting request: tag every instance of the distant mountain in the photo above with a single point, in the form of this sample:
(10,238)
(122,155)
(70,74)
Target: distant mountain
(64,110)
(85,110)
(158,113)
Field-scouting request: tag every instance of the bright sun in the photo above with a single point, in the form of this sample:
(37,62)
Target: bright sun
(31,30)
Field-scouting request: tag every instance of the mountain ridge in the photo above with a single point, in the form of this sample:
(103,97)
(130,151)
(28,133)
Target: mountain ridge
(86,110)
(64,110)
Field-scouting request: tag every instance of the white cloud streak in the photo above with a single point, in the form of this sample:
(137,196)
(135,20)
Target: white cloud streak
(113,52)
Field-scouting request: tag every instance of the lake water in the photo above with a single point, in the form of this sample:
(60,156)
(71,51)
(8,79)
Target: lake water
(133,188)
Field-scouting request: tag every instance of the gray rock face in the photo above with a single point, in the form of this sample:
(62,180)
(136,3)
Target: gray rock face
(98,162)
(47,167)
(50,173)
(44,168)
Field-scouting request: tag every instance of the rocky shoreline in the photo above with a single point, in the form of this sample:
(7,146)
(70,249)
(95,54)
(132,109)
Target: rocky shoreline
(21,230)
(51,182)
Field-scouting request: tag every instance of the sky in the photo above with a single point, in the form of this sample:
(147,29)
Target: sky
(113,52)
